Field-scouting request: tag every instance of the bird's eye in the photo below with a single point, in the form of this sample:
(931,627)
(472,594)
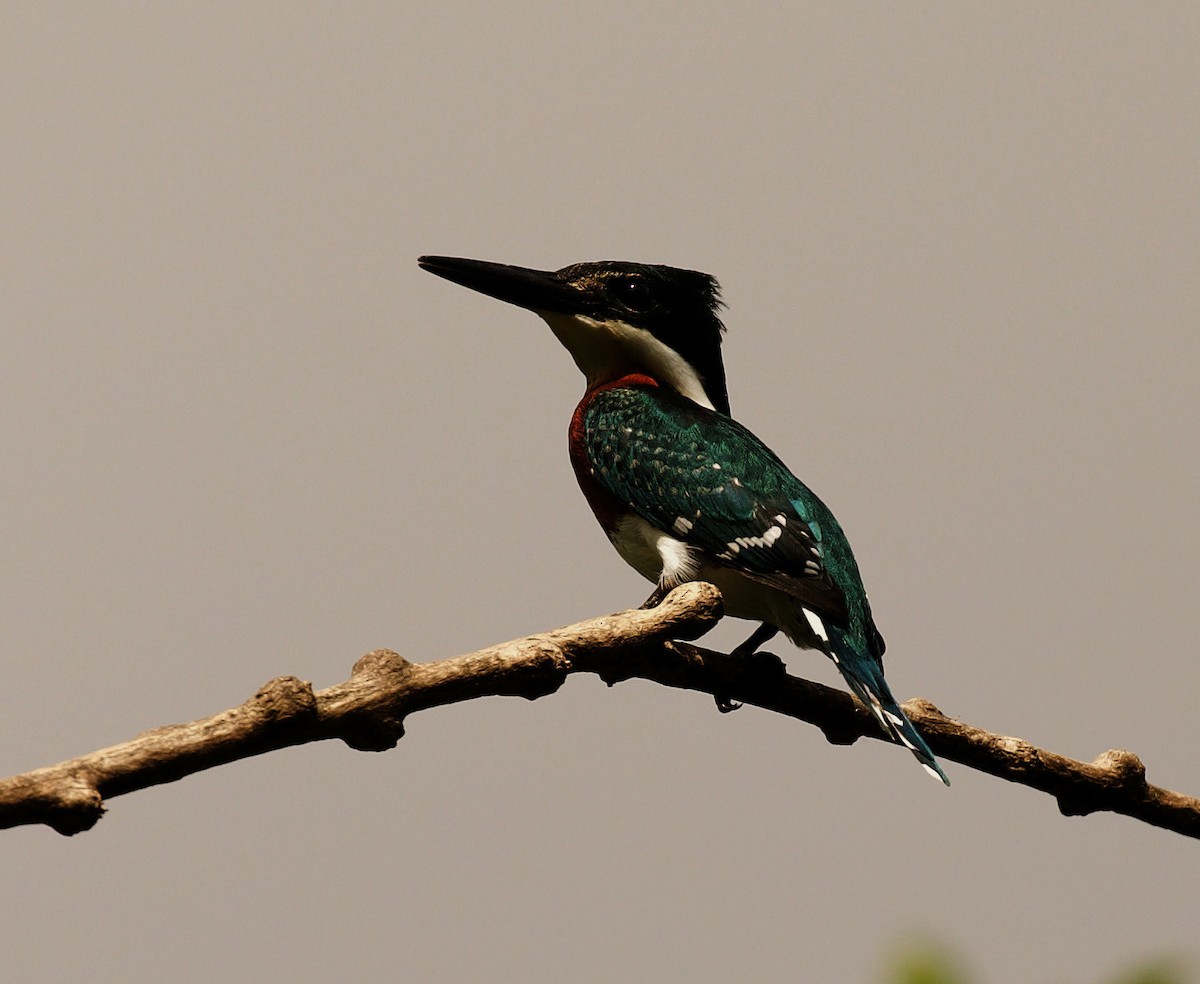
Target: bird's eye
(634,294)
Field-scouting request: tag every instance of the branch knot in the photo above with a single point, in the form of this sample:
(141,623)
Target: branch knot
(285,700)
(1126,769)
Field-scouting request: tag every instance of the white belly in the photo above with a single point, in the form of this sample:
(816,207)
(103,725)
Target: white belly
(657,556)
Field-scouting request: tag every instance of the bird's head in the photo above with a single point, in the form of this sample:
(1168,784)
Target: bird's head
(616,317)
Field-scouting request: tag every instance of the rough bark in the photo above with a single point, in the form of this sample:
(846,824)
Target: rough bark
(367,712)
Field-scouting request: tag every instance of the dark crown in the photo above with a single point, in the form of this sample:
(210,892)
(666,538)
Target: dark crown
(678,307)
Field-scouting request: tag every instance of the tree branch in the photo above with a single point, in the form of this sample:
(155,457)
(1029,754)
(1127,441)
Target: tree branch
(367,712)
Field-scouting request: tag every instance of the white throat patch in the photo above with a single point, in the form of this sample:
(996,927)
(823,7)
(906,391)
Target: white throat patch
(601,349)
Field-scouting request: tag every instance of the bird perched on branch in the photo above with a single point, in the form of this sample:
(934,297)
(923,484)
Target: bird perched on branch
(683,491)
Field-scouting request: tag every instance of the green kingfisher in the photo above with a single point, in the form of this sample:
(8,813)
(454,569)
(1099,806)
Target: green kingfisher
(683,491)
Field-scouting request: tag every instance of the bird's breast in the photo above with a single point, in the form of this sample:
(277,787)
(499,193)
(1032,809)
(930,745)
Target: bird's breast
(607,508)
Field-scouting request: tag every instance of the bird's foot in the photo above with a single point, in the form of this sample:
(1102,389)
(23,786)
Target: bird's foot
(656,597)
(749,648)
(753,664)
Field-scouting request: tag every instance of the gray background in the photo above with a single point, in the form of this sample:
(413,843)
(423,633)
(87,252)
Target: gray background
(243,435)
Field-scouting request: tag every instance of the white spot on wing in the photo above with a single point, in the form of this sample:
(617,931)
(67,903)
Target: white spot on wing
(768,538)
(817,626)
(682,525)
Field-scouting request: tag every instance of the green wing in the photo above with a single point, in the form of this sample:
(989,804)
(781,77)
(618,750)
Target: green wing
(705,479)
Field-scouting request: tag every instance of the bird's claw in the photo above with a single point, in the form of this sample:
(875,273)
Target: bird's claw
(763,663)
(656,597)
(725,704)
(749,649)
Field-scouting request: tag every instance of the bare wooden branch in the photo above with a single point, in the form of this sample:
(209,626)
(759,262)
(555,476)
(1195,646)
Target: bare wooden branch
(368,711)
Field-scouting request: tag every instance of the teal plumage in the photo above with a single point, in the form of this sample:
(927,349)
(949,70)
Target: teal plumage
(702,478)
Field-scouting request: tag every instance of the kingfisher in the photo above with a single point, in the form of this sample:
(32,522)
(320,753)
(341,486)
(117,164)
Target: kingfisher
(683,491)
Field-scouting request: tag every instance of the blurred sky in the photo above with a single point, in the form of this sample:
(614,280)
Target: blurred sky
(243,435)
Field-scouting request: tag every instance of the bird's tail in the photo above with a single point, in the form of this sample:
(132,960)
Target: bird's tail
(865,677)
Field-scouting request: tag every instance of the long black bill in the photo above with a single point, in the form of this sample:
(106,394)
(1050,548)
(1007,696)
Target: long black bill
(537,290)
